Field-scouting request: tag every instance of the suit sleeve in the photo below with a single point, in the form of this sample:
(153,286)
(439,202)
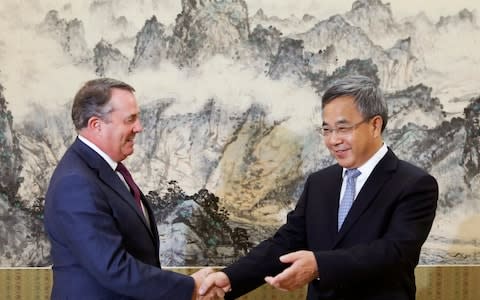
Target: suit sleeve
(85,225)
(397,251)
(263,260)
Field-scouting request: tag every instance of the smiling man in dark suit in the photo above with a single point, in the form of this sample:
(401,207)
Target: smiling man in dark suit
(358,228)
(103,233)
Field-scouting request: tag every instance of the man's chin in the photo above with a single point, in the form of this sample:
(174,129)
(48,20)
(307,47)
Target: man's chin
(127,152)
(344,162)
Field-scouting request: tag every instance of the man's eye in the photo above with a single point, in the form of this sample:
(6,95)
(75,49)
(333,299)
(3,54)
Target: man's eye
(326,130)
(343,129)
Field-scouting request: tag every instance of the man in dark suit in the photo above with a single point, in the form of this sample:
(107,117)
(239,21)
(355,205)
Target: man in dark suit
(357,230)
(103,234)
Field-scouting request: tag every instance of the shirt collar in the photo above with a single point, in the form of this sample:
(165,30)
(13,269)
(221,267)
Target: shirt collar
(368,167)
(113,164)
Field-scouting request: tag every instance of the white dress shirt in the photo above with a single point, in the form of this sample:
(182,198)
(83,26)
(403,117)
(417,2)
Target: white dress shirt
(113,164)
(366,169)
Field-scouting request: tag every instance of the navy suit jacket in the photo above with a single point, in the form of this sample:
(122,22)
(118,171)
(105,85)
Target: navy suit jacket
(374,254)
(101,245)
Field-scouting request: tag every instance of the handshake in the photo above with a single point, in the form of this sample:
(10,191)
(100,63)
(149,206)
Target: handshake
(210,284)
(303,269)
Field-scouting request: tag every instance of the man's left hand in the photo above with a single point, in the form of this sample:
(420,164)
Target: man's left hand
(303,269)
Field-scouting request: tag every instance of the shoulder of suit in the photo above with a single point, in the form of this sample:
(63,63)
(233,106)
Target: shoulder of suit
(410,168)
(329,171)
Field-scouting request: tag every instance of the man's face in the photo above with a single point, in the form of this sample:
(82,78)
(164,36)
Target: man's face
(119,127)
(351,138)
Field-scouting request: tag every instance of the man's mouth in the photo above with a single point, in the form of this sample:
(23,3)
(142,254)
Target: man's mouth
(340,152)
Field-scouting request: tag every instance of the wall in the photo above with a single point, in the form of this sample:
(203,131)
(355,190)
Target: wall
(230,103)
(433,283)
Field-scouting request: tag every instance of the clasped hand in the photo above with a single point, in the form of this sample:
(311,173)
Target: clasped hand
(302,270)
(207,286)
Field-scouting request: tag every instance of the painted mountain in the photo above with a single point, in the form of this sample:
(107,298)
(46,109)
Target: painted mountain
(230,103)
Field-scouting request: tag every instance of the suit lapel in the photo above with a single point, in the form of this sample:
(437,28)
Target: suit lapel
(151,216)
(332,191)
(110,178)
(380,174)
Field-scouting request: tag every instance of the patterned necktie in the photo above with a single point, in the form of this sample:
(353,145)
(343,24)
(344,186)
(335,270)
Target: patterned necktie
(133,186)
(349,195)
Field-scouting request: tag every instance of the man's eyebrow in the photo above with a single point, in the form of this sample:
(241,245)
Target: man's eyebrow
(343,121)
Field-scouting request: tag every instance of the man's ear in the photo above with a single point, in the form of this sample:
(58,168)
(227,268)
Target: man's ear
(377,122)
(94,124)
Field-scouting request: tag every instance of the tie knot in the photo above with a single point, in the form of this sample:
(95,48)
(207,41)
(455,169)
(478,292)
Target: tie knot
(352,173)
(122,169)
(125,173)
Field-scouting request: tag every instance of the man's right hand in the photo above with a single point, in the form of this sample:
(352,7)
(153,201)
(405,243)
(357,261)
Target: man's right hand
(214,293)
(215,280)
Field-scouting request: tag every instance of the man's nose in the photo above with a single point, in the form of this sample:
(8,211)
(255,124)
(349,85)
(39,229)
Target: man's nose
(138,126)
(333,138)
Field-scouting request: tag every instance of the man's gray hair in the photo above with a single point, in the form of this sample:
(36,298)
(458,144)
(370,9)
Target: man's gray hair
(93,100)
(367,96)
